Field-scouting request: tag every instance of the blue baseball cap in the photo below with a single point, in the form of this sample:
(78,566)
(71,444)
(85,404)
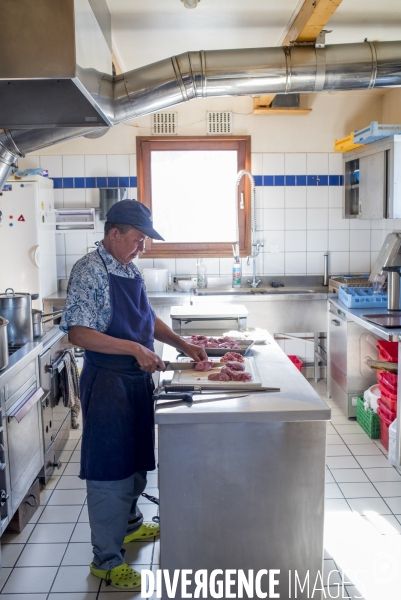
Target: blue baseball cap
(132,212)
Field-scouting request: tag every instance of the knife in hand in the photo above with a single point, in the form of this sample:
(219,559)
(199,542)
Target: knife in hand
(188,366)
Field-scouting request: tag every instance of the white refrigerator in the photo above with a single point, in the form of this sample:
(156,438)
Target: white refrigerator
(27,237)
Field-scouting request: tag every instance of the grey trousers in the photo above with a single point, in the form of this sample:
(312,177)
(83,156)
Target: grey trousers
(113,514)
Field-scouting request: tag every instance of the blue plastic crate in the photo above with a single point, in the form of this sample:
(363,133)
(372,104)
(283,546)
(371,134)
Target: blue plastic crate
(374,132)
(361,297)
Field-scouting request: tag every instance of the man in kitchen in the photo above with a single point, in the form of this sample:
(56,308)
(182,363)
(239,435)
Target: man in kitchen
(107,313)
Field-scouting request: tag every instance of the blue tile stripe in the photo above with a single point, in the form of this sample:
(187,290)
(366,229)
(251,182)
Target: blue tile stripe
(94,182)
(298,180)
(260,180)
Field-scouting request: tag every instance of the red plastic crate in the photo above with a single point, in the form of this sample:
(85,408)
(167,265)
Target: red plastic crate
(296,361)
(388,350)
(384,427)
(390,380)
(388,397)
(385,410)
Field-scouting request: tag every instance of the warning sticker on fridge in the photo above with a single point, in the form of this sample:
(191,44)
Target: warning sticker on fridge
(7,188)
(21,218)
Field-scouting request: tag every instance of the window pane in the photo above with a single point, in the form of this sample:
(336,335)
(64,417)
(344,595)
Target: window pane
(193,195)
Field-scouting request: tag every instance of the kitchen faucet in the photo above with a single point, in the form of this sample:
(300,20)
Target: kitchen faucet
(255,245)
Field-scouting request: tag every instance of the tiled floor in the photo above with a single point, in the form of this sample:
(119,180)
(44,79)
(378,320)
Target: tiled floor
(49,559)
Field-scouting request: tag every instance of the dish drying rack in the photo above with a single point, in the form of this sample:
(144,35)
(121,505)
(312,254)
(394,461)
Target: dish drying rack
(362,297)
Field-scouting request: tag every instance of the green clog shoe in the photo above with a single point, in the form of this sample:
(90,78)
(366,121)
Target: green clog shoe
(145,532)
(122,577)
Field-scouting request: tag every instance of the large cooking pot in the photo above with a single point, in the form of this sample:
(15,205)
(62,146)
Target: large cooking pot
(3,343)
(16,307)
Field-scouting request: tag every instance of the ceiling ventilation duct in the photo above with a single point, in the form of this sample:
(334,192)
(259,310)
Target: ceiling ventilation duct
(58,83)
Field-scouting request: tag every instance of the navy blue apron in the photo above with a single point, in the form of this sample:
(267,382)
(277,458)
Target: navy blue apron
(116,397)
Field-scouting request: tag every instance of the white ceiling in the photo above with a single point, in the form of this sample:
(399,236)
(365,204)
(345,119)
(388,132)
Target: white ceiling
(145,31)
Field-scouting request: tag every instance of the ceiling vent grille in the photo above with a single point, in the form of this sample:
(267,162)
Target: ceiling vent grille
(165,123)
(219,122)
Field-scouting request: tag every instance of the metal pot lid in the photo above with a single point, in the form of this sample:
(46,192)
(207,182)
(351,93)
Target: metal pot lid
(9,294)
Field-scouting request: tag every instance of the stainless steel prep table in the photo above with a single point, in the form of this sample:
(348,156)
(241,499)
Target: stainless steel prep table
(242,481)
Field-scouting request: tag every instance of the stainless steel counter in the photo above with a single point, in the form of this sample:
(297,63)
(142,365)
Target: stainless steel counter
(238,477)
(356,315)
(296,401)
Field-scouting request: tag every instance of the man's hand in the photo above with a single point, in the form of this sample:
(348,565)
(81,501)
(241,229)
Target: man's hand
(148,360)
(195,352)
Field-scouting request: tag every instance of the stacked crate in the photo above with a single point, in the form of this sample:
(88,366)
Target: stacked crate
(388,384)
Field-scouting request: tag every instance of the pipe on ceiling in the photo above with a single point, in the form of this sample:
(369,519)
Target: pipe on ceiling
(244,72)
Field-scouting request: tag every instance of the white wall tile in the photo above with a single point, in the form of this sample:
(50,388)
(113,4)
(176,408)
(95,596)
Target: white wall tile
(92,198)
(259,219)
(273,197)
(60,244)
(95,165)
(165,263)
(70,261)
(295,197)
(273,264)
(273,164)
(295,241)
(131,194)
(274,238)
(295,263)
(74,198)
(226,266)
(58,198)
(360,223)
(186,266)
(212,266)
(273,218)
(92,238)
(132,165)
(335,163)
(338,240)
(53,164)
(317,218)
(317,196)
(360,241)
(61,268)
(295,218)
(375,240)
(256,163)
(317,163)
(117,165)
(338,263)
(335,196)
(259,197)
(373,257)
(144,263)
(295,163)
(99,225)
(73,165)
(31,161)
(314,263)
(336,220)
(76,243)
(359,262)
(317,241)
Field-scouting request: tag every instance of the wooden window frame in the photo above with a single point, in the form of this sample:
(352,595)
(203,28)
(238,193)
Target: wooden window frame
(242,144)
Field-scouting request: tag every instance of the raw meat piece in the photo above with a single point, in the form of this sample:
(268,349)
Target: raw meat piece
(218,377)
(236,375)
(232,356)
(242,376)
(225,342)
(235,365)
(205,365)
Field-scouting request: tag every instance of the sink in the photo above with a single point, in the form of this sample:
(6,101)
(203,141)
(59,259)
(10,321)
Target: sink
(246,291)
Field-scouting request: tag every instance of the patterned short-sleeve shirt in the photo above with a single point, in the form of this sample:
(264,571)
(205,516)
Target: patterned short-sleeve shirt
(88,294)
